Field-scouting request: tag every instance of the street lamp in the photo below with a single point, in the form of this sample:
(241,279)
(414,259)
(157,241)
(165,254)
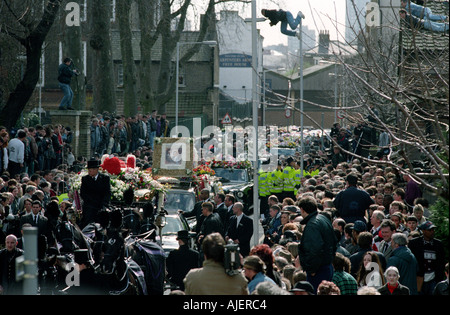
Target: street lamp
(301,97)
(210,43)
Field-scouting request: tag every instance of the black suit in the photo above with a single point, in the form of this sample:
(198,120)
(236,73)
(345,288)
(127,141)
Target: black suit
(211,224)
(179,262)
(42,223)
(95,194)
(242,232)
(222,211)
(197,212)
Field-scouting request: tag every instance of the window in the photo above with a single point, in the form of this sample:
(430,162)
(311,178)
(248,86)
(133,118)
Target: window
(113,10)
(120,75)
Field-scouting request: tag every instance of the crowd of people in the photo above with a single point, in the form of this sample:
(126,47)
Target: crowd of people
(351,228)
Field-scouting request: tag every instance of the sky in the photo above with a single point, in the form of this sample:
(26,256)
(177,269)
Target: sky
(319,15)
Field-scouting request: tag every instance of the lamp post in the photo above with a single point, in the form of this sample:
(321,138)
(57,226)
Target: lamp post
(301,97)
(210,43)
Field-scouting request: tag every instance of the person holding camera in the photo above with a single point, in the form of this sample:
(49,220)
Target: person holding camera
(212,278)
(65,74)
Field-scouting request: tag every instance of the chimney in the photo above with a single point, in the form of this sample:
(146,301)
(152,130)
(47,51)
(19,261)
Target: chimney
(324,42)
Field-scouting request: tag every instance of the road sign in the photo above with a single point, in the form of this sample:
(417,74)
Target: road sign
(340,114)
(287,113)
(227,120)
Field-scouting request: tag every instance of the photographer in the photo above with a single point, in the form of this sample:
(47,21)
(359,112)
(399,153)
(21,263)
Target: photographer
(212,279)
(65,74)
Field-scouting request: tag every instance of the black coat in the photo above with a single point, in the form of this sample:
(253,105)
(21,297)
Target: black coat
(417,247)
(400,290)
(242,232)
(8,271)
(211,224)
(95,195)
(179,262)
(318,243)
(222,211)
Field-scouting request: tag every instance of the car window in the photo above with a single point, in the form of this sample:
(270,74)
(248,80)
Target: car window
(173,225)
(176,200)
(232,175)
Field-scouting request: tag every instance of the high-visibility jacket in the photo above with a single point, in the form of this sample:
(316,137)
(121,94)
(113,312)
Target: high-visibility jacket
(298,177)
(276,178)
(288,179)
(263,187)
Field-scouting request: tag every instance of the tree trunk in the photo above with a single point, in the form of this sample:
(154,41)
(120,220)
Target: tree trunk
(18,98)
(147,10)
(129,67)
(73,48)
(103,70)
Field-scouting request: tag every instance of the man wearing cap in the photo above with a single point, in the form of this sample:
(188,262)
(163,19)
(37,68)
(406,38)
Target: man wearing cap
(430,256)
(352,203)
(95,193)
(302,288)
(254,271)
(181,260)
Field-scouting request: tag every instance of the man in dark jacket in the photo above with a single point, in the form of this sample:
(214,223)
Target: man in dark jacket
(430,256)
(405,261)
(65,74)
(211,223)
(181,260)
(8,255)
(352,203)
(317,245)
(95,192)
(240,229)
(285,17)
(197,210)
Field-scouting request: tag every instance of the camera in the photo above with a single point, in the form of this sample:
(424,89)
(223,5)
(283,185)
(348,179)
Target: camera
(231,258)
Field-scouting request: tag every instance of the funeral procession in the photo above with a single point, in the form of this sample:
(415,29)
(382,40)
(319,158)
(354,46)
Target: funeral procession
(224,151)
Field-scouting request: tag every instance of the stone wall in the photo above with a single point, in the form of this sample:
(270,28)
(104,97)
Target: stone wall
(79,122)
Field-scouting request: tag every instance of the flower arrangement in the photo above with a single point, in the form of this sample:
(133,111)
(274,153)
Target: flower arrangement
(122,178)
(203,169)
(230,164)
(117,189)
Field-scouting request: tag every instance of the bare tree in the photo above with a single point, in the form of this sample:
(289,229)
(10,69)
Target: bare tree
(129,67)
(100,41)
(28,24)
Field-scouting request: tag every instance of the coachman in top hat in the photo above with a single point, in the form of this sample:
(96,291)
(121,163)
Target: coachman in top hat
(95,193)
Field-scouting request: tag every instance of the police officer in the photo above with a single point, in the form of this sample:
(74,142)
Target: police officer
(276,181)
(289,179)
(263,189)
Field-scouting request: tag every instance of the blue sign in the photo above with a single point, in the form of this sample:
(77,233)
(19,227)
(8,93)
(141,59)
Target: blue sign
(235,61)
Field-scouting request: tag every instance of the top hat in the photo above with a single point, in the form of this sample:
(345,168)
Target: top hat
(93,164)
